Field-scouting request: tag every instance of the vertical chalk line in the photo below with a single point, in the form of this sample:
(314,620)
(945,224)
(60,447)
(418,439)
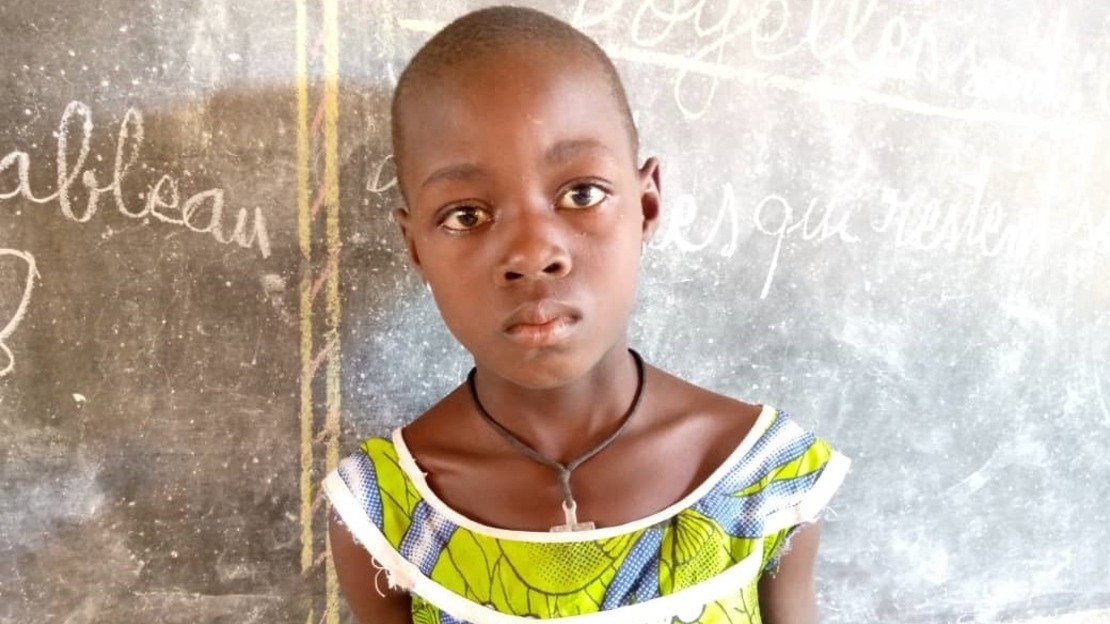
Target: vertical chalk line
(309,201)
(331,203)
(304,237)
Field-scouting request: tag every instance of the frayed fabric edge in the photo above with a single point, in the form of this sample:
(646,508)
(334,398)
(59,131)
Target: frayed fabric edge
(400,575)
(813,508)
(380,569)
(784,547)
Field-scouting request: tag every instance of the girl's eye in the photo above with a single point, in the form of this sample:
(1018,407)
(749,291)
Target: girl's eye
(582,196)
(465,218)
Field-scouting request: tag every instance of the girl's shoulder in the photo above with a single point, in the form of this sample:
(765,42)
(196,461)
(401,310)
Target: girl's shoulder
(706,424)
(757,449)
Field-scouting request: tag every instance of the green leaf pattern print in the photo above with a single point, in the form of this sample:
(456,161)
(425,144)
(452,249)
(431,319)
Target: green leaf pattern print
(523,574)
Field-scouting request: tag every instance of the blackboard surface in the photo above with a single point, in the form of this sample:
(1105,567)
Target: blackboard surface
(890,219)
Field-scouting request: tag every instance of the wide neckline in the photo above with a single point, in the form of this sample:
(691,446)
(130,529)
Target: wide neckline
(404,575)
(418,477)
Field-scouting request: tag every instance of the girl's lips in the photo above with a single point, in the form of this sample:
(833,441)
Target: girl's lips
(542,334)
(541,323)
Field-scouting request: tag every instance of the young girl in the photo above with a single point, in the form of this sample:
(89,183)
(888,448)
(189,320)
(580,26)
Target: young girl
(565,478)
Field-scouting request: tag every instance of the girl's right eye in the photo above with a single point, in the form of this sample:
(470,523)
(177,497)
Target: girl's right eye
(465,218)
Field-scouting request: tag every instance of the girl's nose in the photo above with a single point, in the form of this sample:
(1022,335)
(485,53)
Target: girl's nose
(534,251)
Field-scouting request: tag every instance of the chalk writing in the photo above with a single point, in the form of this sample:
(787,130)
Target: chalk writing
(913,222)
(374,183)
(849,37)
(988,228)
(773,216)
(202,212)
(8,363)
(683,229)
(583,19)
(705,62)
(822,229)
(931,224)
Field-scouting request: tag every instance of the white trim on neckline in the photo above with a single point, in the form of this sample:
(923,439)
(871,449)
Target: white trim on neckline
(402,574)
(417,476)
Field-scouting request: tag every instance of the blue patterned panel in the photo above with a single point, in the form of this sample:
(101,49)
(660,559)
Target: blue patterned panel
(427,538)
(637,578)
(358,473)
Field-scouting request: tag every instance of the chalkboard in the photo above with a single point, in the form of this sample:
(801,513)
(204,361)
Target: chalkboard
(890,219)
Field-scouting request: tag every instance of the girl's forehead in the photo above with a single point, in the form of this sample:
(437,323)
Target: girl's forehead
(530,84)
(516,104)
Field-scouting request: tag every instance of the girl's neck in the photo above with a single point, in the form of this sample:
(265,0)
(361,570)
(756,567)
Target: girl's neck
(561,423)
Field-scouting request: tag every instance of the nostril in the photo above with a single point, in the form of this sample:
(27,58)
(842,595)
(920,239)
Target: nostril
(512,276)
(554,268)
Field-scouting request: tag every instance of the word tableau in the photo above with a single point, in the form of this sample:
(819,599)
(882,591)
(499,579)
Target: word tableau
(202,212)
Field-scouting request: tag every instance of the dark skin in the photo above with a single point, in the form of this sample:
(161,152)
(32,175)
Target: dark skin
(524,194)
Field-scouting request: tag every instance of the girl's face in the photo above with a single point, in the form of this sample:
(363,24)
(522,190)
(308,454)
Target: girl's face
(527,214)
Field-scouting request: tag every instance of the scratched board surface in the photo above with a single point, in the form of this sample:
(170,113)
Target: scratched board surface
(890,219)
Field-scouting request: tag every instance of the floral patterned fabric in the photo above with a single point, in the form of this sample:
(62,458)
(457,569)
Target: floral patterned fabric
(734,525)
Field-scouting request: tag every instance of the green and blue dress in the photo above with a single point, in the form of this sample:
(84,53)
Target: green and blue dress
(697,561)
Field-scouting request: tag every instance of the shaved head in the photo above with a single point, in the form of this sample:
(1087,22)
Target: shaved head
(492,31)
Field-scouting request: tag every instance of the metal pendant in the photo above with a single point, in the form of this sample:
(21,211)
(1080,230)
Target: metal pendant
(572,524)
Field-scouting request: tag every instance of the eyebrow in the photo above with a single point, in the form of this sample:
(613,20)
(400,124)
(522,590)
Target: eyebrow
(569,148)
(558,153)
(461,171)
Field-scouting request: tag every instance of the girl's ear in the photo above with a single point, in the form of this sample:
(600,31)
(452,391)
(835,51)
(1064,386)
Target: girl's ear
(402,218)
(650,197)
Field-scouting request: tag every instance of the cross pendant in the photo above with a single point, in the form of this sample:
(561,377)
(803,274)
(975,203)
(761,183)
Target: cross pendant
(572,523)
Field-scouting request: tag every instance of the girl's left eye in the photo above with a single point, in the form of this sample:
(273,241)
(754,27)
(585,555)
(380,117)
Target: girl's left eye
(582,196)
(465,218)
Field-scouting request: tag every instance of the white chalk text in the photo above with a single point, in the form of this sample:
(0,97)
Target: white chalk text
(201,212)
(7,364)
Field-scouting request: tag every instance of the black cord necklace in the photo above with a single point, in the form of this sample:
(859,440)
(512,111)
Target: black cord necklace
(570,508)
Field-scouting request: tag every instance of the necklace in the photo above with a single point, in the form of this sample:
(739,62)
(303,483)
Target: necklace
(570,508)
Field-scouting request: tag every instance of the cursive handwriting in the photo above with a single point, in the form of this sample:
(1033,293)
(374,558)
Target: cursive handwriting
(967,222)
(375,184)
(202,212)
(819,230)
(582,18)
(928,224)
(860,42)
(773,216)
(25,300)
(989,229)
(685,231)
